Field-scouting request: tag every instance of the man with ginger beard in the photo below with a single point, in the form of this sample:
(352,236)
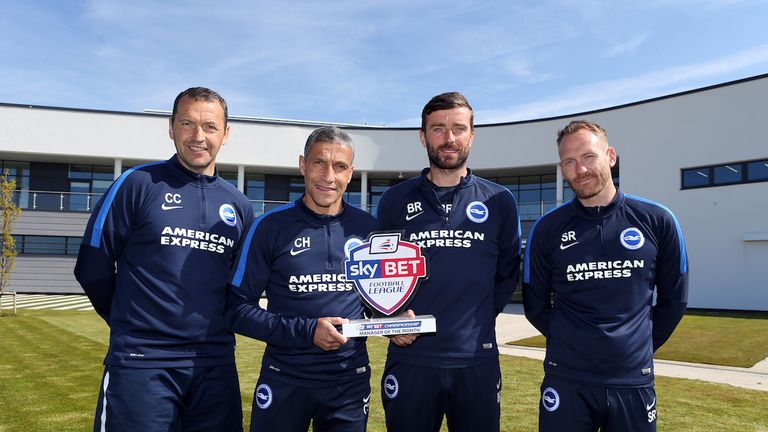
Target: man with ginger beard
(591,267)
(469,229)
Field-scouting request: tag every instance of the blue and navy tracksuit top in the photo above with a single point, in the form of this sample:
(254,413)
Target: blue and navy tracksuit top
(155,259)
(588,286)
(473,256)
(297,257)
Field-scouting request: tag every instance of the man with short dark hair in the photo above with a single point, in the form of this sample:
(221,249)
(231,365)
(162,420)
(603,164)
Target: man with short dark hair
(591,268)
(154,261)
(295,254)
(469,230)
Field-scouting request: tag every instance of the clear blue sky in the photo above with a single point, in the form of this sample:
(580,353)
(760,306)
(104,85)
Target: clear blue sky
(375,61)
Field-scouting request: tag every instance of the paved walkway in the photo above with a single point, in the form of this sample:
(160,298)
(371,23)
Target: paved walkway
(512,325)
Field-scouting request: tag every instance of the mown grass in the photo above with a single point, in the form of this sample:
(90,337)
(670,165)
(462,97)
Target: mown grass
(50,369)
(737,339)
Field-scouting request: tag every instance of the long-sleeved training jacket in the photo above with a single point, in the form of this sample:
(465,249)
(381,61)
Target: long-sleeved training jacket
(473,259)
(155,259)
(588,286)
(297,257)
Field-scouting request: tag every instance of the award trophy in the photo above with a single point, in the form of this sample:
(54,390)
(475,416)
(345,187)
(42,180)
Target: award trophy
(386,272)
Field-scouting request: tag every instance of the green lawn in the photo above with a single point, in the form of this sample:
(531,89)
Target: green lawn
(50,368)
(718,338)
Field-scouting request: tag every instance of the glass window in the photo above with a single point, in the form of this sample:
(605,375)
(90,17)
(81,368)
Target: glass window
(78,200)
(100,186)
(757,170)
(87,183)
(510,183)
(726,174)
(530,182)
(548,195)
(567,192)
(254,186)
(45,245)
(530,196)
(548,181)
(80,171)
(376,188)
(73,245)
(19,171)
(104,173)
(295,188)
(530,211)
(229,176)
(696,177)
(352,194)
(548,205)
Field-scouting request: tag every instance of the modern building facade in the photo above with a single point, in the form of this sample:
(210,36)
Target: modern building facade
(702,153)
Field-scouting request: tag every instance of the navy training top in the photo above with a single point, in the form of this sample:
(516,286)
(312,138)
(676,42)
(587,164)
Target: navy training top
(154,261)
(297,257)
(472,244)
(588,286)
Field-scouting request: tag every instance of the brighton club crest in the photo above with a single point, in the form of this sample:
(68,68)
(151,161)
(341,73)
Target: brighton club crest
(386,272)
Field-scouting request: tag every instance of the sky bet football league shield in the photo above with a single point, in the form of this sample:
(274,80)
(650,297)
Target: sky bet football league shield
(386,272)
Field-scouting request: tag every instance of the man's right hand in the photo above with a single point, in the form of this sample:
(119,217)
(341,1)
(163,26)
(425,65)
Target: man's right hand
(327,337)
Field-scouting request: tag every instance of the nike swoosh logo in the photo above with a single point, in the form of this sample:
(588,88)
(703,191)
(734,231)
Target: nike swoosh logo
(170,207)
(366,399)
(296,252)
(648,407)
(564,247)
(409,217)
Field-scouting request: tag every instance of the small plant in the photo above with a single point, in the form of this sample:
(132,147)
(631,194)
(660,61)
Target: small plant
(9,214)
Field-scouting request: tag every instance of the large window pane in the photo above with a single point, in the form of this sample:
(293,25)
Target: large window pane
(80,171)
(73,245)
(511,183)
(100,186)
(548,181)
(530,211)
(530,196)
(295,188)
(254,186)
(103,172)
(78,199)
(757,170)
(696,177)
(229,176)
(45,245)
(86,185)
(568,193)
(530,182)
(726,174)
